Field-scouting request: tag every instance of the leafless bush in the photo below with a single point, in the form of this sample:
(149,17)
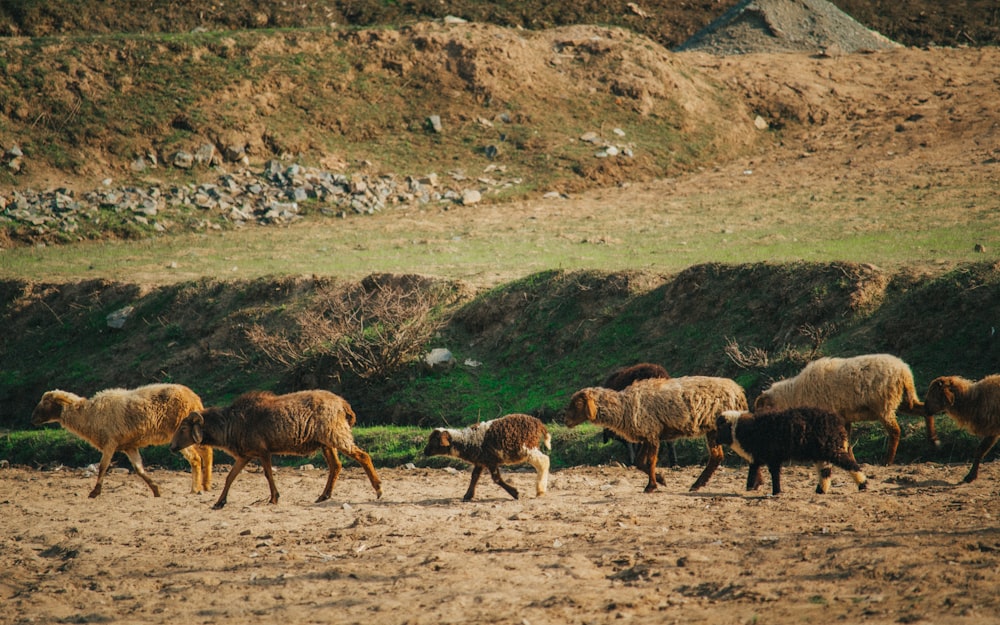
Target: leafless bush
(751,357)
(368,330)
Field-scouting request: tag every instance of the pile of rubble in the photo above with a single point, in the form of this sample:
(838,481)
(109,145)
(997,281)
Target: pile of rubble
(278,194)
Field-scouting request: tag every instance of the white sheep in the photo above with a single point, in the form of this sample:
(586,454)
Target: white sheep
(656,409)
(259,423)
(974,406)
(871,387)
(127,420)
(511,439)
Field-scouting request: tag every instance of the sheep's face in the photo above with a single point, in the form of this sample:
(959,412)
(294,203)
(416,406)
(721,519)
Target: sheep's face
(724,426)
(764,402)
(940,396)
(582,407)
(439,444)
(189,432)
(50,408)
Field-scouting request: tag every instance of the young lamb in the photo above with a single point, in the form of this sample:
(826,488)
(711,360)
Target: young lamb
(652,410)
(772,438)
(511,439)
(127,420)
(259,424)
(619,380)
(974,406)
(863,388)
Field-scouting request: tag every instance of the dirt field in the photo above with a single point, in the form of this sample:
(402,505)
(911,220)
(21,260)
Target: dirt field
(916,547)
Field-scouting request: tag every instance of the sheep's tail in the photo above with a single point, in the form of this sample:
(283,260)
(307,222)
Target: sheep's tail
(547,441)
(351,417)
(910,404)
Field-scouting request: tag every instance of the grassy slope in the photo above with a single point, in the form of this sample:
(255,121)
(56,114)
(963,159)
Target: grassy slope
(538,340)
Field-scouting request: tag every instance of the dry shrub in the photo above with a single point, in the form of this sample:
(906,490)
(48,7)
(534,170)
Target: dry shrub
(369,330)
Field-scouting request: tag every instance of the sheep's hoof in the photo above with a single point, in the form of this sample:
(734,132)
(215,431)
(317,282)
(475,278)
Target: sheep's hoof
(219,505)
(651,488)
(863,486)
(322,498)
(156,491)
(970,478)
(378,493)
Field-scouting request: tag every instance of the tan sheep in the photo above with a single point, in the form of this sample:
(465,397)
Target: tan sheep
(127,420)
(871,387)
(652,410)
(259,424)
(974,406)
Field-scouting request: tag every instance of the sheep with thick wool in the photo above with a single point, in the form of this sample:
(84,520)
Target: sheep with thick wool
(259,423)
(652,410)
(773,438)
(974,406)
(127,420)
(871,387)
(510,439)
(619,380)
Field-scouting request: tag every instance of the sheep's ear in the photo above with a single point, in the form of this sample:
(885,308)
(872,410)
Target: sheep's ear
(591,407)
(445,439)
(60,398)
(948,390)
(197,427)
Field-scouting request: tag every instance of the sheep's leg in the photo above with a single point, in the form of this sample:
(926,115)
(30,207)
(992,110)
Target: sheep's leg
(495,474)
(193,456)
(102,468)
(651,450)
(775,469)
(643,463)
(715,457)
(984,447)
(632,449)
(476,472)
(847,462)
(671,454)
(754,478)
(361,457)
(240,463)
(825,472)
(932,436)
(265,462)
(333,470)
(541,463)
(206,453)
(892,429)
(136,460)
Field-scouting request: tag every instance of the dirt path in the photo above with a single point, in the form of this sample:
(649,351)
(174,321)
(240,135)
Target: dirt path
(914,548)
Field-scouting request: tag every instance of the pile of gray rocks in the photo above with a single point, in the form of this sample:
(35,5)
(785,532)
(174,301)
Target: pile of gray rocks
(278,194)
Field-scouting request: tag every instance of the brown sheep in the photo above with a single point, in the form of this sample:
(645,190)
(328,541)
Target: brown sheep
(974,406)
(652,410)
(773,438)
(259,424)
(619,380)
(127,420)
(871,387)
(511,439)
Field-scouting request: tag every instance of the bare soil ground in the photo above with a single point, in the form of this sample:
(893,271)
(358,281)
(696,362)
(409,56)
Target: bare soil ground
(918,547)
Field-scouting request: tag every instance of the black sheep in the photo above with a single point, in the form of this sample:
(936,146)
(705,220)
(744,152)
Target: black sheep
(772,438)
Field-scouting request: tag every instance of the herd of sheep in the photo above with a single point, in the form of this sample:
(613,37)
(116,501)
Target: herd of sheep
(806,418)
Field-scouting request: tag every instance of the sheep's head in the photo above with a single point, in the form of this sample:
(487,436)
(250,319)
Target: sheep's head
(940,395)
(724,424)
(582,407)
(764,401)
(50,408)
(189,432)
(439,444)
